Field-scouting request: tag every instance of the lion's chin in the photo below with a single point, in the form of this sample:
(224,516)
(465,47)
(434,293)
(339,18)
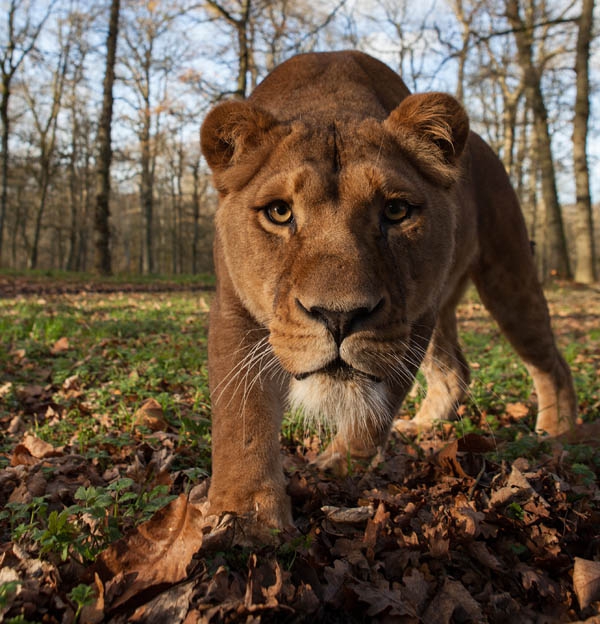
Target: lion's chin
(350,404)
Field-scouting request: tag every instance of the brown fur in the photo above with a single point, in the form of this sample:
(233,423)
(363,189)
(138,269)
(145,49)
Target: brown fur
(336,136)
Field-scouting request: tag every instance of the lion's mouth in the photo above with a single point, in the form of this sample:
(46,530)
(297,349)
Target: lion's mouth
(340,370)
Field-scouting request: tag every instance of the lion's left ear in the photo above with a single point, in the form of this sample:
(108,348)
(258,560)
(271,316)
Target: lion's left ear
(438,124)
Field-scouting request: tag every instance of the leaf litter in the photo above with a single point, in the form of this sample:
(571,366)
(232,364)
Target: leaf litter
(444,529)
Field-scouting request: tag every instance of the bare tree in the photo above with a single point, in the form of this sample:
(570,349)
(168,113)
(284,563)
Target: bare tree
(198,191)
(523,32)
(102,259)
(585,269)
(47,130)
(241,26)
(149,61)
(20,40)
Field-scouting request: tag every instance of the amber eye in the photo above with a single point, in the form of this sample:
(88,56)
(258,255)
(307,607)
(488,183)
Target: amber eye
(396,210)
(279,213)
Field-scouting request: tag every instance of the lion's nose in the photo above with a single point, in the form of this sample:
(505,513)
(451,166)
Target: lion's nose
(341,323)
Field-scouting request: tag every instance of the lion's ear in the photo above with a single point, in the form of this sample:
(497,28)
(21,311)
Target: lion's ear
(434,126)
(230,129)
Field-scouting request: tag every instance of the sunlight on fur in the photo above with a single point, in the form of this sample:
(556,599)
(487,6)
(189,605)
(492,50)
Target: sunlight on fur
(348,407)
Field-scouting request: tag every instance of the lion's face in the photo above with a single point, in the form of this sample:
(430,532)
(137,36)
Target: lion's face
(338,240)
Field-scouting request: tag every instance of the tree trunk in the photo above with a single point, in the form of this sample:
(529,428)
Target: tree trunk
(4,163)
(195,216)
(558,261)
(103,261)
(146,194)
(585,268)
(509,123)
(44,183)
(243,51)
(73,199)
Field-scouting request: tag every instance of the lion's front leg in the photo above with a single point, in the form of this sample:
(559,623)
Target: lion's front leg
(247,473)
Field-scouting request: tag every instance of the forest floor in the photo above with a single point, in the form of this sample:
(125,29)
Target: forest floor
(105,452)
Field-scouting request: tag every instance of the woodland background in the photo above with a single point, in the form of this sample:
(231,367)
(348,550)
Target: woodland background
(79,76)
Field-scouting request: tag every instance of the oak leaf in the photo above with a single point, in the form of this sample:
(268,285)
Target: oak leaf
(157,553)
(586,581)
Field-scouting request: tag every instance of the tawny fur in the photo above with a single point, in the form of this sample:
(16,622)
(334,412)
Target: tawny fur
(337,309)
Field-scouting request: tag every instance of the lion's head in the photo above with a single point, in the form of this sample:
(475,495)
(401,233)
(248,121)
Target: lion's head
(337,234)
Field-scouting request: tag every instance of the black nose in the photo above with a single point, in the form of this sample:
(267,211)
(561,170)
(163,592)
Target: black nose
(341,323)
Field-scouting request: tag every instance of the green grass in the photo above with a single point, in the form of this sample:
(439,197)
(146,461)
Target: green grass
(122,349)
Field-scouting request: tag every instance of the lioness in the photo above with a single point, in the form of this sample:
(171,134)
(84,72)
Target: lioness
(351,216)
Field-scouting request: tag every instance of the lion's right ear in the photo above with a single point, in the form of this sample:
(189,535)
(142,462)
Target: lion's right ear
(230,129)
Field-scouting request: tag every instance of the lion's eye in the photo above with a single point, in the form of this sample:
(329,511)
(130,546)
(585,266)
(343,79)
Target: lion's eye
(279,212)
(396,210)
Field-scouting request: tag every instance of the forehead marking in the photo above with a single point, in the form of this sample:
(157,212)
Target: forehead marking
(337,158)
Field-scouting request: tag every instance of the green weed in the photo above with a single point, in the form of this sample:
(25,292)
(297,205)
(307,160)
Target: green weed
(98,518)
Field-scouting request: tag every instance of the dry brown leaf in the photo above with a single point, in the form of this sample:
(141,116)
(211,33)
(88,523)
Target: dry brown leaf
(5,388)
(480,551)
(31,450)
(416,587)
(345,515)
(466,516)
(451,597)
(61,345)
(31,392)
(150,415)
(586,581)
(335,578)
(517,410)
(169,606)
(380,597)
(517,488)
(475,443)
(94,613)
(447,459)
(264,584)
(530,578)
(159,551)
(437,538)
(202,305)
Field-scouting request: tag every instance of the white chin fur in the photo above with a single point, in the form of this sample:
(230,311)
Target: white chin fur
(349,407)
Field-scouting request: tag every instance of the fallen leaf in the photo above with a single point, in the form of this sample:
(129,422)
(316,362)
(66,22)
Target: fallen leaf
(31,450)
(94,613)
(517,410)
(380,598)
(150,415)
(5,389)
(416,587)
(169,606)
(530,578)
(259,593)
(158,552)
(586,581)
(345,515)
(61,345)
(475,443)
(451,598)
(437,538)
(517,488)
(481,553)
